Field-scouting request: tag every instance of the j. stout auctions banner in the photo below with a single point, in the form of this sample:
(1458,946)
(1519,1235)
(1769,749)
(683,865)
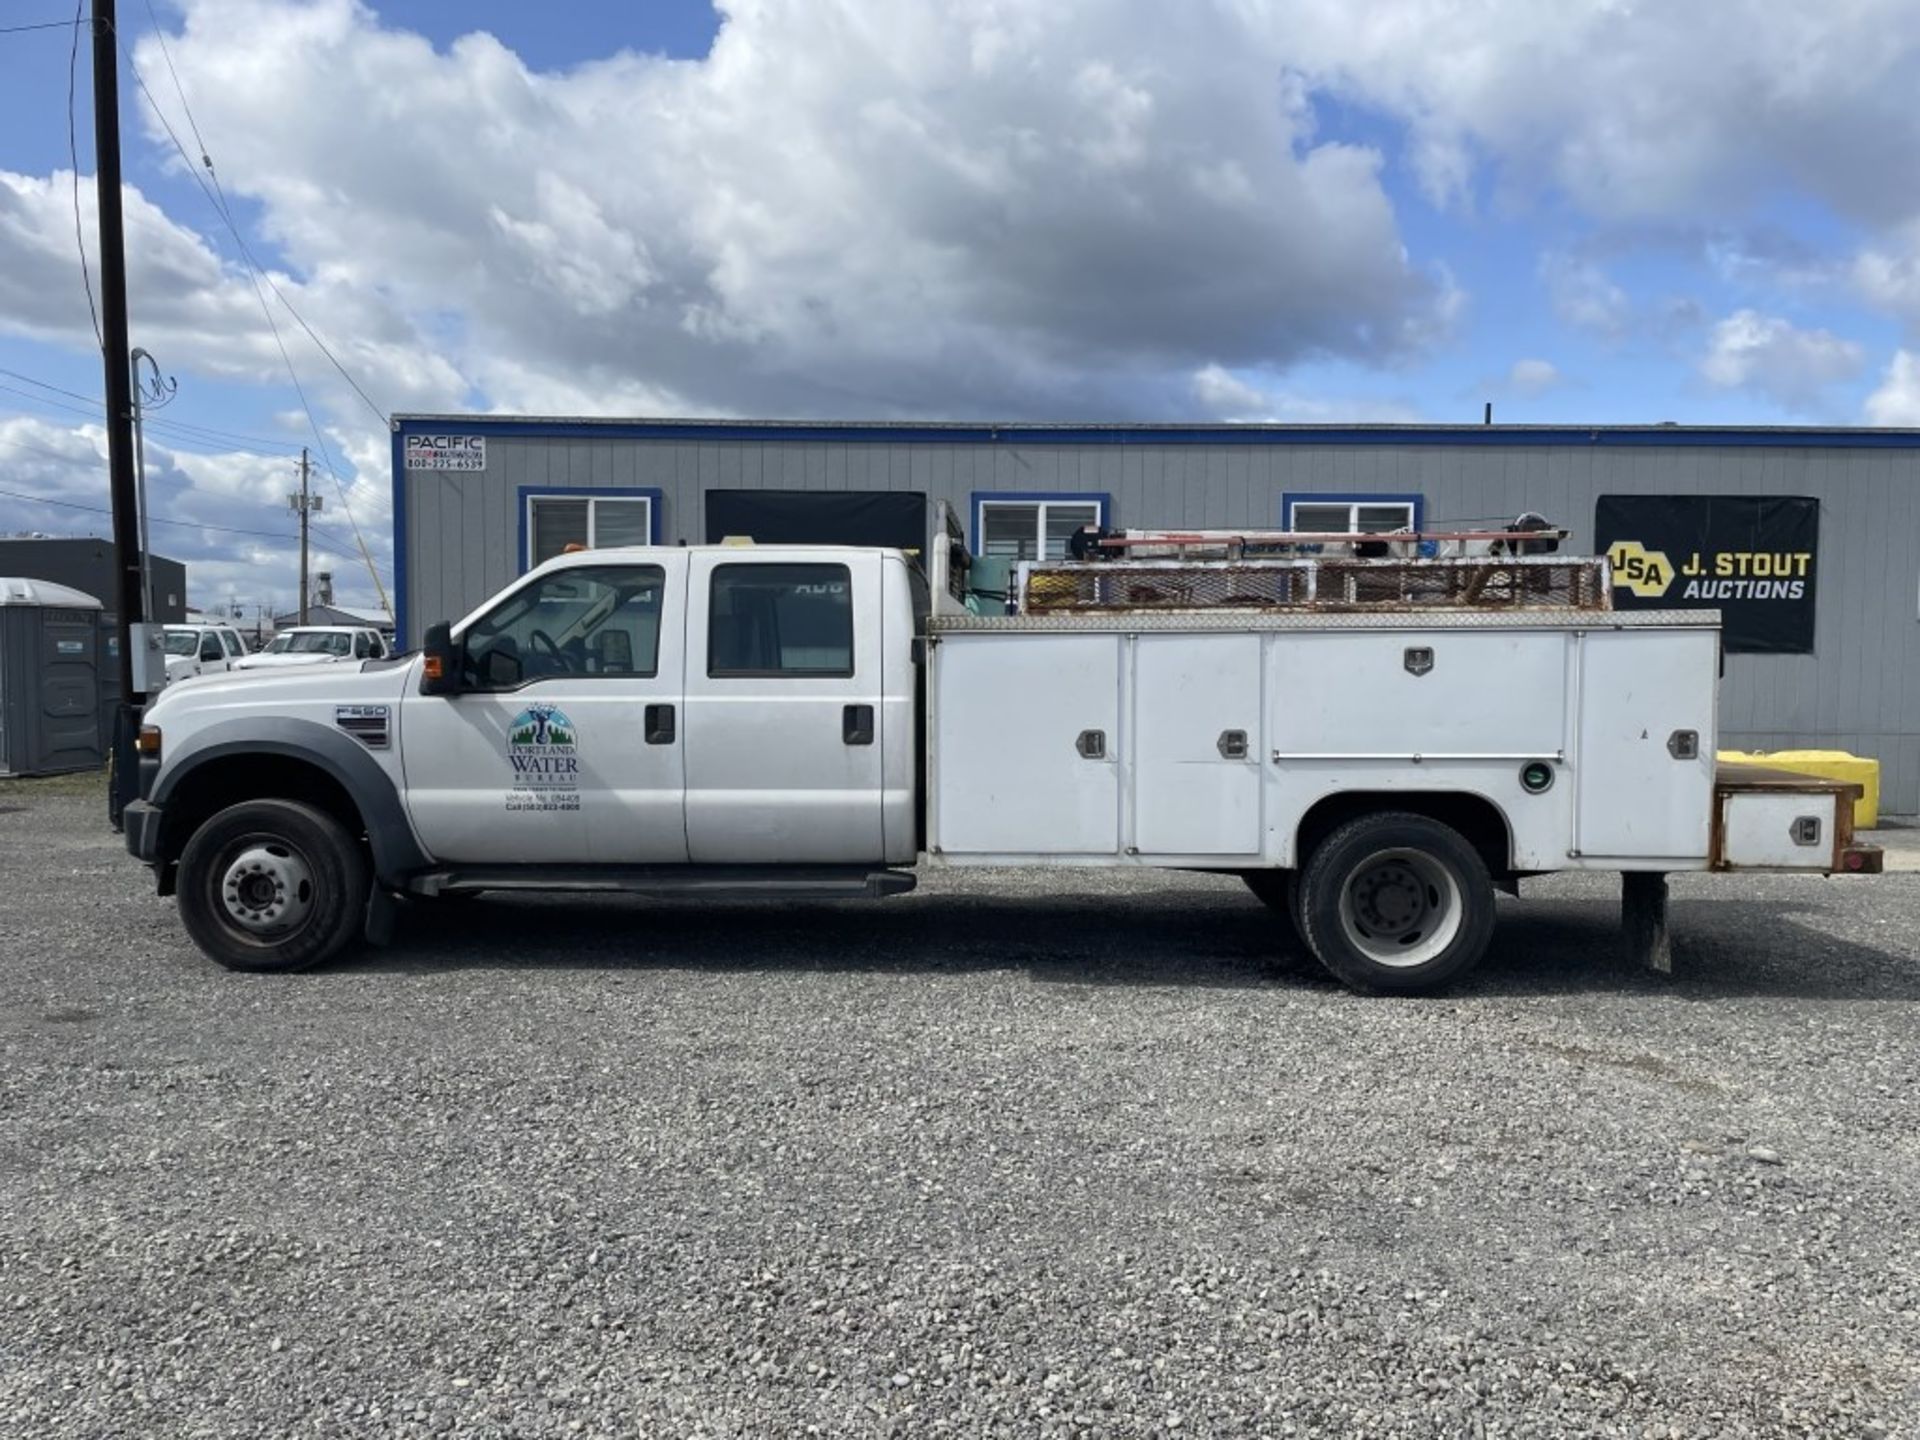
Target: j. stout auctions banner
(1753,558)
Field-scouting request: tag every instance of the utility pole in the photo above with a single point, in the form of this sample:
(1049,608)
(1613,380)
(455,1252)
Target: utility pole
(119,395)
(305,503)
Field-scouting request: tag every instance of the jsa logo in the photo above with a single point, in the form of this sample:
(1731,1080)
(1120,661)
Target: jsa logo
(1647,573)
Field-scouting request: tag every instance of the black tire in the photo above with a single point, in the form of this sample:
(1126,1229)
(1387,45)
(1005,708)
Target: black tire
(1279,891)
(1394,903)
(306,880)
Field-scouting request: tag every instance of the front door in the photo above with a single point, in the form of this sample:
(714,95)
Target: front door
(564,743)
(784,707)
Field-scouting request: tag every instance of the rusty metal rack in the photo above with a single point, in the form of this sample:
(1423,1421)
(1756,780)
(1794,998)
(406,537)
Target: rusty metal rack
(1322,583)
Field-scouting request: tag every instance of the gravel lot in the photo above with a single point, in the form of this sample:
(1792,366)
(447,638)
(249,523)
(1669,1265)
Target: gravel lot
(1020,1154)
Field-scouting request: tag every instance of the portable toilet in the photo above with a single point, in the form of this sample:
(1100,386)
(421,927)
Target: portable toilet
(50,660)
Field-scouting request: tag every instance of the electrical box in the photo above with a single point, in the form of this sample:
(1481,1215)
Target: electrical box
(149,658)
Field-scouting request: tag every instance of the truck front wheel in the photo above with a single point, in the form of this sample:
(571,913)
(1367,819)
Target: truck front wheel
(272,885)
(1395,903)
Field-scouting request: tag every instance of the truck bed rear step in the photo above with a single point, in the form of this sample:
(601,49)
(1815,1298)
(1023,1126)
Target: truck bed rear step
(676,882)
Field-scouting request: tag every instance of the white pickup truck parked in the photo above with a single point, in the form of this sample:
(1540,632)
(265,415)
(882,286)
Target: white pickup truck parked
(1375,744)
(317,645)
(201,650)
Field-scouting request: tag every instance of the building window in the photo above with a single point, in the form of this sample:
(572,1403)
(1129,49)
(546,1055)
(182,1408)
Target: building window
(1032,527)
(1350,514)
(780,620)
(551,520)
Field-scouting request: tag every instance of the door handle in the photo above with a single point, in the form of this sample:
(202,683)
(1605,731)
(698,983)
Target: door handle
(659,724)
(856,725)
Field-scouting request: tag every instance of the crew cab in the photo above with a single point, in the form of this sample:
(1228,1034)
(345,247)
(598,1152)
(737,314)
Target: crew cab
(201,650)
(1374,746)
(317,645)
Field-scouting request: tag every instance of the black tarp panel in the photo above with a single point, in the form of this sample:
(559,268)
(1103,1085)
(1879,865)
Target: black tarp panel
(1752,557)
(896,518)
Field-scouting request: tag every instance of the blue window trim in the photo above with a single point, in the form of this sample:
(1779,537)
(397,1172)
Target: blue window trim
(537,492)
(1291,498)
(1029,497)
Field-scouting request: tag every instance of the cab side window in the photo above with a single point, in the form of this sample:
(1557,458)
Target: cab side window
(766,620)
(210,646)
(601,620)
(362,647)
(232,642)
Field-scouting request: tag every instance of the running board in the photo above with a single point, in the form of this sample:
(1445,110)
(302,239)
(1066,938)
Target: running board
(674,882)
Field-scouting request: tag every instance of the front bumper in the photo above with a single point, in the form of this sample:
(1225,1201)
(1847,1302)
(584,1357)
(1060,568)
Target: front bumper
(141,823)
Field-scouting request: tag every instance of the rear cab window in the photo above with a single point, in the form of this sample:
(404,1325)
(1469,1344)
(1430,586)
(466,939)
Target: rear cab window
(768,620)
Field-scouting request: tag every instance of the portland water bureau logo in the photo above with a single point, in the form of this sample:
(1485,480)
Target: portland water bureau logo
(544,755)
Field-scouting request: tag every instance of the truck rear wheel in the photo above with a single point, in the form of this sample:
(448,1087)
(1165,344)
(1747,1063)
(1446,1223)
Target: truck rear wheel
(1395,903)
(272,885)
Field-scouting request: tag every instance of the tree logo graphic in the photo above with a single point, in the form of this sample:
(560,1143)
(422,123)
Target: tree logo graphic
(545,760)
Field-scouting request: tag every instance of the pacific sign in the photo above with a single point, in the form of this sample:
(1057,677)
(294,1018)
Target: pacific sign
(446,452)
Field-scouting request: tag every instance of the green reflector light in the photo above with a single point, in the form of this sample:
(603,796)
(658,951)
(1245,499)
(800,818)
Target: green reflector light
(1536,777)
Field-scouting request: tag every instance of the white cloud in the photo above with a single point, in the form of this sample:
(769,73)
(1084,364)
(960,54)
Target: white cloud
(1888,276)
(1637,111)
(1897,400)
(1222,395)
(1583,296)
(1533,377)
(1791,366)
(847,208)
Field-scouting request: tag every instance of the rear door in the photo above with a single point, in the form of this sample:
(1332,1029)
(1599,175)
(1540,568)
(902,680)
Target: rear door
(783,702)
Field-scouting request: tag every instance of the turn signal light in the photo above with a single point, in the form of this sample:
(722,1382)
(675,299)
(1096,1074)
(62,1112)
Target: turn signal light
(433,668)
(147,742)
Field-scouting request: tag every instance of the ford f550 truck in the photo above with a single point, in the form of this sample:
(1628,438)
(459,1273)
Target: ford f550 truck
(1373,734)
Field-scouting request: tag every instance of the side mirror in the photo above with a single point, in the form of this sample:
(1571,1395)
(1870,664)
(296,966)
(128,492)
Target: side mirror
(440,661)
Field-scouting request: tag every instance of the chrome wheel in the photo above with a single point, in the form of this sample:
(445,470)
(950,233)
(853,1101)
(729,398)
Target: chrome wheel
(1401,907)
(266,887)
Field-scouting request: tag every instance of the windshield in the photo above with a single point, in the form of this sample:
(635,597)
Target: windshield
(183,642)
(310,642)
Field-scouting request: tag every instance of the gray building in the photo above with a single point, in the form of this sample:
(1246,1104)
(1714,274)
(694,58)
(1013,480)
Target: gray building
(478,501)
(86,565)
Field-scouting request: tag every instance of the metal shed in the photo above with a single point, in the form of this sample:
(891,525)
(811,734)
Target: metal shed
(50,687)
(477,500)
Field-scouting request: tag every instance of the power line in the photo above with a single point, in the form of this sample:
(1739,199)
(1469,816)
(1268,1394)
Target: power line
(334,536)
(73,158)
(151,421)
(46,25)
(153,520)
(221,208)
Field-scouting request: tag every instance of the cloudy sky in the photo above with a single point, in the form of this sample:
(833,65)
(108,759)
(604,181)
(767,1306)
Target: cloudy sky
(1588,211)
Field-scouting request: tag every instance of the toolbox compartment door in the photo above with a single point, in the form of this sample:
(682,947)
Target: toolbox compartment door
(1196,744)
(1017,768)
(1644,752)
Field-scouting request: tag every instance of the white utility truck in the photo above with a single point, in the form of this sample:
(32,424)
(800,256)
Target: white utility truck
(1375,732)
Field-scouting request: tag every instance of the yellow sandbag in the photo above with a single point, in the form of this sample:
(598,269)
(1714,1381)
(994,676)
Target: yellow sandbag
(1829,764)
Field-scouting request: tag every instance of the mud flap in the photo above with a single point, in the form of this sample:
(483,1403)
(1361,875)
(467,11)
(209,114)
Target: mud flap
(381,910)
(1643,919)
